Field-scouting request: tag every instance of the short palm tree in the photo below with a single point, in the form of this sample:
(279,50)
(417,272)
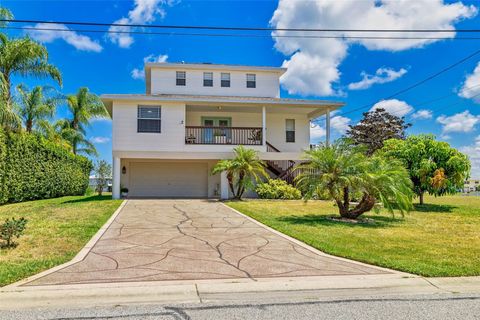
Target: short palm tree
(24,57)
(83,106)
(242,171)
(36,105)
(345,172)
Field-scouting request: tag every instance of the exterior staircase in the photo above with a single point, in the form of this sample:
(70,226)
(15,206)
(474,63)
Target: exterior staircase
(283,169)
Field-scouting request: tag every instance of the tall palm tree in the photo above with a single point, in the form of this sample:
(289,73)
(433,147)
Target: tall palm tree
(8,117)
(36,105)
(242,171)
(24,57)
(83,106)
(345,172)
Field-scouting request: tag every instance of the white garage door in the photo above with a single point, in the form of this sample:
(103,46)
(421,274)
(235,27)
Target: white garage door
(168,179)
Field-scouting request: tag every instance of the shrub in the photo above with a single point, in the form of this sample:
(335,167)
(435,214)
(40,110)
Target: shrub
(10,229)
(277,189)
(32,168)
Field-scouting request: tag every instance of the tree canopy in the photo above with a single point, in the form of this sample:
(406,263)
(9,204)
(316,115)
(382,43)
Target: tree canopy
(434,166)
(376,127)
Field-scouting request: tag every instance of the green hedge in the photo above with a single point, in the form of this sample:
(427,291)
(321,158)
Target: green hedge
(32,168)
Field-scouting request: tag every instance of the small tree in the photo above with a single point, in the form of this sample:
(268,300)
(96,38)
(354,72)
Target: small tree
(345,172)
(433,166)
(10,229)
(103,172)
(376,127)
(242,171)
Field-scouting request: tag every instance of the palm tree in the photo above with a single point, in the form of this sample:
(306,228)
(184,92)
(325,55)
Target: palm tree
(35,106)
(24,57)
(84,106)
(242,171)
(8,117)
(345,172)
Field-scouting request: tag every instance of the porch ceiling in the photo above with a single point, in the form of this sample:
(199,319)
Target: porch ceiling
(256,109)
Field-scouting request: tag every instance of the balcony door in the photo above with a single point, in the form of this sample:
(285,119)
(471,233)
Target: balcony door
(217,134)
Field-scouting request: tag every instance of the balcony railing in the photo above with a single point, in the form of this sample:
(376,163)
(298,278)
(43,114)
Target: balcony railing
(223,135)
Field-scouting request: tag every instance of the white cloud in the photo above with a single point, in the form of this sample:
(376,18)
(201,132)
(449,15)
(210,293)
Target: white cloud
(382,75)
(422,114)
(62,32)
(313,63)
(393,106)
(143,12)
(473,153)
(139,73)
(340,123)
(317,133)
(100,140)
(459,122)
(471,86)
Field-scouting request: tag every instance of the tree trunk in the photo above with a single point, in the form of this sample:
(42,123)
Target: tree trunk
(230,182)
(29,125)
(366,204)
(240,188)
(420,197)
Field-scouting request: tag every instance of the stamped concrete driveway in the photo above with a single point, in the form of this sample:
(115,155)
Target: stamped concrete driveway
(193,239)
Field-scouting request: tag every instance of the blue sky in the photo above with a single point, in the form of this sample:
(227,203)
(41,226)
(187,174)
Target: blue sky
(318,68)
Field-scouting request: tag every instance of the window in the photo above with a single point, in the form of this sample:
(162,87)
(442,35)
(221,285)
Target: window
(251,83)
(290,130)
(225,80)
(181,78)
(208,79)
(149,119)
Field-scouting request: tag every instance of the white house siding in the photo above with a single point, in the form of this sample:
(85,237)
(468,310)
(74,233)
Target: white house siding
(163,81)
(276,132)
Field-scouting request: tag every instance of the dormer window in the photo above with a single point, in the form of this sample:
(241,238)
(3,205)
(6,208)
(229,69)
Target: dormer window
(251,82)
(208,79)
(225,80)
(181,78)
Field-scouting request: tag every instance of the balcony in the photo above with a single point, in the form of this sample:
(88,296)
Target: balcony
(215,135)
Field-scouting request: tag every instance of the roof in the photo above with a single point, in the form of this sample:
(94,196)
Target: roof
(221,100)
(212,66)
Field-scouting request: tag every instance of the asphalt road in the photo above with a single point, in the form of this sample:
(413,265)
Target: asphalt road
(444,306)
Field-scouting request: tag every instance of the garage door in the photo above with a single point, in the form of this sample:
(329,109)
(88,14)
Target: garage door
(168,179)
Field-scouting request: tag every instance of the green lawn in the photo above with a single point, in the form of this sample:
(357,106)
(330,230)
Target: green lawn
(440,238)
(56,230)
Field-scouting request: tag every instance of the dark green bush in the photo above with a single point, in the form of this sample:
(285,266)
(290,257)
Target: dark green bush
(32,168)
(277,189)
(12,228)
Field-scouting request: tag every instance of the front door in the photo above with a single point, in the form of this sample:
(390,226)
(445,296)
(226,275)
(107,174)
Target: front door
(216,134)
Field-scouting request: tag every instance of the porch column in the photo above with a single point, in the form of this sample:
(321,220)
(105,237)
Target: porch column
(327,128)
(116,178)
(264,126)
(223,186)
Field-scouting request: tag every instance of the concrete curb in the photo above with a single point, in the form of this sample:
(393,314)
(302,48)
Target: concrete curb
(80,255)
(316,251)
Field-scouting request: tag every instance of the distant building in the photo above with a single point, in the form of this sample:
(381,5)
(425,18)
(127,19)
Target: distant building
(92,183)
(471,185)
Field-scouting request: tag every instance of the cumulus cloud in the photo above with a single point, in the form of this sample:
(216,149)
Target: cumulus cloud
(143,12)
(422,114)
(139,73)
(473,153)
(471,86)
(313,63)
(317,133)
(100,140)
(382,75)
(393,106)
(62,32)
(340,124)
(459,122)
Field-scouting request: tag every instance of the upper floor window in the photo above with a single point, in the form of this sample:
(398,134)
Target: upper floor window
(290,130)
(225,80)
(251,82)
(208,79)
(149,119)
(181,78)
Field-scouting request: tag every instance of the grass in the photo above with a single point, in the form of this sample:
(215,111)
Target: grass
(56,230)
(440,238)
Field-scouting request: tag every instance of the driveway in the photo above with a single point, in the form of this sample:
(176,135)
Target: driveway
(152,240)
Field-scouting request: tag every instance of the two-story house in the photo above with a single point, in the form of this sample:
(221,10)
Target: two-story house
(166,141)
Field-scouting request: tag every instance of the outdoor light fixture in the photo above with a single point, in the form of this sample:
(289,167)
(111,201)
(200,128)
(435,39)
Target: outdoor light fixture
(124,170)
